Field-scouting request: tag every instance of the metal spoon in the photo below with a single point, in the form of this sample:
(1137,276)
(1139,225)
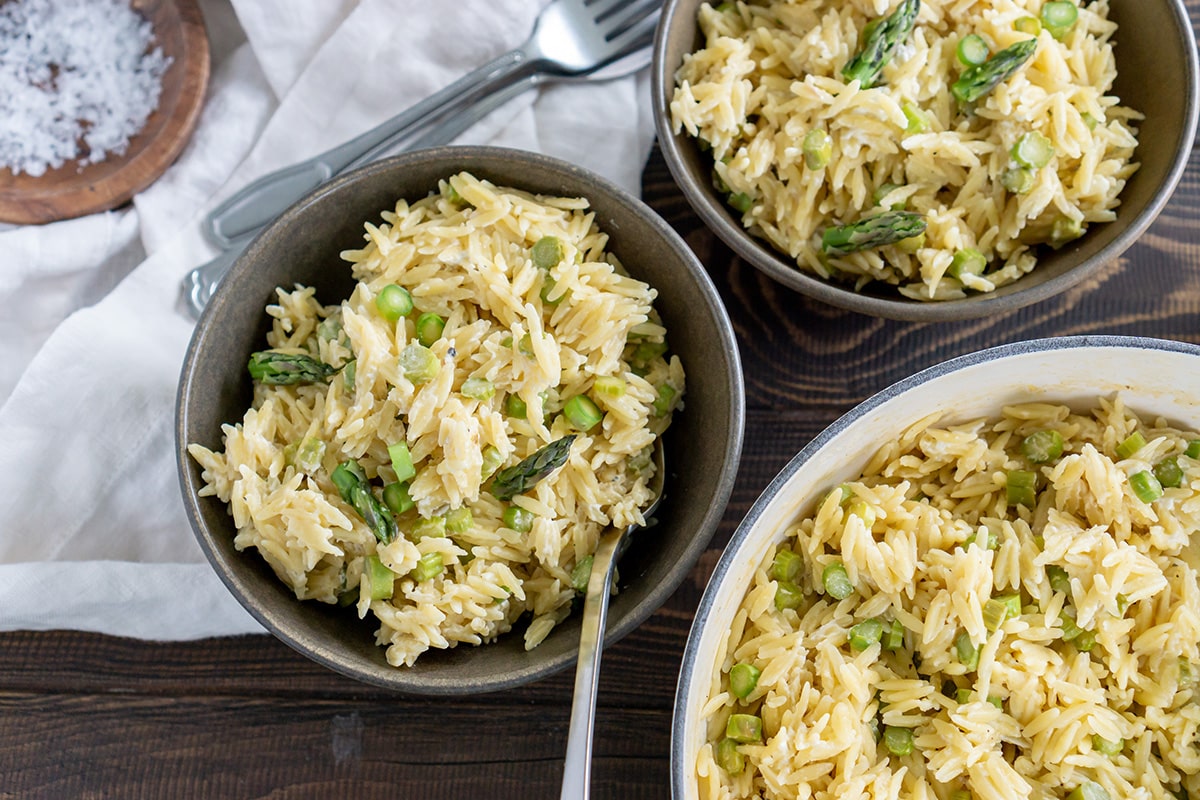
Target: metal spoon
(577,771)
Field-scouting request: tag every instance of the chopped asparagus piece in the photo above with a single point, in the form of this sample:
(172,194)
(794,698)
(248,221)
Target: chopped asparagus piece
(402,462)
(1145,486)
(967,261)
(582,573)
(520,478)
(786,565)
(429,328)
(817,148)
(866,633)
(1042,446)
(478,388)
(1021,488)
(1058,16)
(1134,442)
(898,741)
(874,231)
(729,758)
(1033,150)
(972,50)
(418,363)
(397,498)
(394,302)
(1018,180)
(582,413)
(547,252)
(836,581)
(744,728)
(1169,473)
(459,520)
(968,653)
(284,369)
(880,44)
(380,580)
(352,485)
(977,81)
(787,595)
(428,566)
(743,678)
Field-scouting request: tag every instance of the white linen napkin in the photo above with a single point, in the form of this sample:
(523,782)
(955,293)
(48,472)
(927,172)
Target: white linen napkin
(92,334)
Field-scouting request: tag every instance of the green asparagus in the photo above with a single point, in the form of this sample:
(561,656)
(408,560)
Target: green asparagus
(517,479)
(281,369)
(352,485)
(975,82)
(582,573)
(743,678)
(875,231)
(881,43)
(729,758)
(1088,790)
(972,50)
(547,252)
(1058,16)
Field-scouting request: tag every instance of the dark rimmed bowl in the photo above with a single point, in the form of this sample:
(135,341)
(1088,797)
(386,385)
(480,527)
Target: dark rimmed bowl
(1154,377)
(1157,75)
(703,445)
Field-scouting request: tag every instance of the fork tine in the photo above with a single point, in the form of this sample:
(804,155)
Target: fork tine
(634,26)
(598,9)
(619,19)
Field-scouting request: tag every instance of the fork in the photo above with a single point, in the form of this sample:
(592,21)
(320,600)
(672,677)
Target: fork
(570,37)
(200,283)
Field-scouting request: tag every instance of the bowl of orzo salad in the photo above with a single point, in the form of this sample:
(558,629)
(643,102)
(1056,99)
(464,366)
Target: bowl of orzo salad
(424,392)
(926,159)
(980,583)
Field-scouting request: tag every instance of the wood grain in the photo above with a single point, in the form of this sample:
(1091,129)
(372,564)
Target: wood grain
(73,191)
(83,715)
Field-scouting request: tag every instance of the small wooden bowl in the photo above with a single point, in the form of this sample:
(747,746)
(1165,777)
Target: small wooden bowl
(70,191)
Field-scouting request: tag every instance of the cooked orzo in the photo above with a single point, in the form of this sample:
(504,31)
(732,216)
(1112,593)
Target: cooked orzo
(996,609)
(443,448)
(926,145)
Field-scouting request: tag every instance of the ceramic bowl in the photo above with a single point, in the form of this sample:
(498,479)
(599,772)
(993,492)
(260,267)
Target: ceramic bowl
(1155,48)
(703,444)
(1153,377)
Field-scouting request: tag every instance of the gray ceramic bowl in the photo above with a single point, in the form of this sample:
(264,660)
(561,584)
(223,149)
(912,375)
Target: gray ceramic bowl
(1154,378)
(703,445)
(1157,75)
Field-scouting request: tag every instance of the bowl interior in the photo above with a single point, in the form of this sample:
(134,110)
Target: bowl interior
(1155,47)
(703,444)
(72,191)
(1153,378)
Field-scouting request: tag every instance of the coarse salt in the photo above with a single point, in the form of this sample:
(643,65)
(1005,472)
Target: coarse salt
(78,79)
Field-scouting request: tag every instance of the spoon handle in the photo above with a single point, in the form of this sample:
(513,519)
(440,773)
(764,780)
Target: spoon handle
(577,771)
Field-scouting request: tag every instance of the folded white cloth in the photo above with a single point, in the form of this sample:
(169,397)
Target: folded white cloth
(92,333)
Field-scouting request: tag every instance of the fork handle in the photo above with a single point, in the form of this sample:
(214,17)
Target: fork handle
(263,200)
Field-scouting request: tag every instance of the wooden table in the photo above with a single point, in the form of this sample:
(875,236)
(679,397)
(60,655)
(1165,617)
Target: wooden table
(91,716)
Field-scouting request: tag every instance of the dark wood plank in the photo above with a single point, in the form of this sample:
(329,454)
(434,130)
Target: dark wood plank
(218,747)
